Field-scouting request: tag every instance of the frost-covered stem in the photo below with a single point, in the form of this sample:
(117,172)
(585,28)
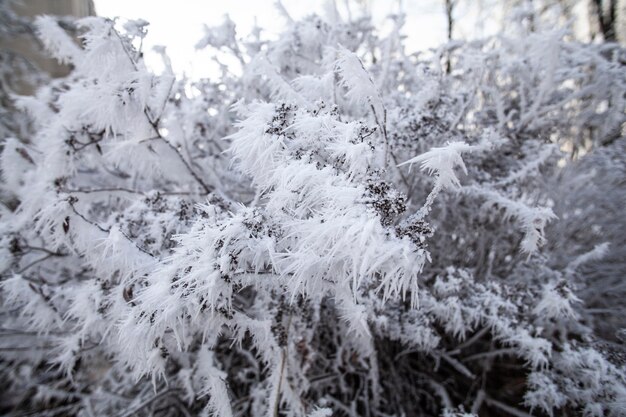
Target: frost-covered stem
(169,90)
(199,180)
(511,410)
(544,88)
(149,401)
(283,12)
(37,290)
(103,190)
(471,340)
(478,401)
(237,52)
(283,354)
(342,406)
(383,129)
(121,190)
(441,392)
(490,354)
(458,366)
(283,359)
(126,51)
(463,112)
(409,187)
(154,122)
(107,230)
(423,212)
(388,151)
(33,263)
(40,249)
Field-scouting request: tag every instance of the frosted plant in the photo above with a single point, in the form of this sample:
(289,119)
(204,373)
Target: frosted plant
(260,245)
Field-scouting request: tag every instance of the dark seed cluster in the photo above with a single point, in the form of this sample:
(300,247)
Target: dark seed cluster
(388,202)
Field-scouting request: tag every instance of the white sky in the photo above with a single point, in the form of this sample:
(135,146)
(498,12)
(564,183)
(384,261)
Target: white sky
(177,25)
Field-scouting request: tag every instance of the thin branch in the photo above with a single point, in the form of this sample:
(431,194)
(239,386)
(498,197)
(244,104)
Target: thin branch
(283,359)
(103,190)
(35,262)
(478,401)
(441,392)
(458,366)
(471,340)
(108,230)
(48,251)
(196,177)
(490,354)
(147,402)
(511,410)
(155,127)
(383,130)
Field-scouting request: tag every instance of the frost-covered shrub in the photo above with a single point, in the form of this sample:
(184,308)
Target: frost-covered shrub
(344,229)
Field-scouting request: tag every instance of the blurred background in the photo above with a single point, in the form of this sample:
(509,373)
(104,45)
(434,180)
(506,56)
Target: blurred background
(179,25)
